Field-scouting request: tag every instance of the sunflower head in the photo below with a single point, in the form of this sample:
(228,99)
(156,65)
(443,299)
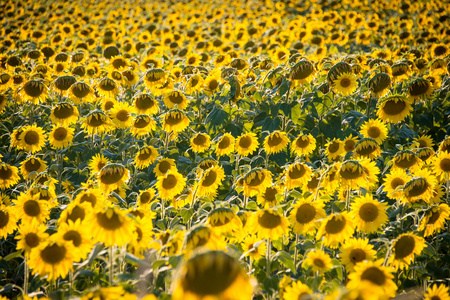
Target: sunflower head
(379,84)
(393,108)
(113,176)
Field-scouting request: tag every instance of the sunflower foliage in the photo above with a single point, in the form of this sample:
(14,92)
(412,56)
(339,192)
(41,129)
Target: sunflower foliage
(241,150)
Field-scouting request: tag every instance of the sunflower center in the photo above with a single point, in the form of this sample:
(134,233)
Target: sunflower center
(141,123)
(5,173)
(78,213)
(145,197)
(374,275)
(32,239)
(345,82)
(406,162)
(63,111)
(419,186)
(418,88)
(209,179)
(257,179)
(32,208)
(368,212)
(199,140)
(305,213)
(109,104)
(366,150)
(122,115)
(224,143)
(445,164)
(319,263)
(139,233)
(73,236)
(32,165)
(245,142)
(174,119)
(95,121)
(349,145)
(335,225)
(213,84)
(274,140)
(220,222)
(373,132)
(33,88)
(393,108)
(397,182)
(53,254)
(404,247)
(302,142)
(269,220)
(32,138)
(270,194)
(60,134)
(333,147)
(432,219)
(349,173)
(4,218)
(107,85)
(297,172)
(212,278)
(144,155)
(111,177)
(176,98)
(144,102)
(169,182)
(109,223)
(119,63)
(194,81)
(164,166)
(357,255)
(88,197)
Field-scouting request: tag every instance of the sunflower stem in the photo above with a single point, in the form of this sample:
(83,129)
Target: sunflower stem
(245,202)
(111,265)
(237,164)
(269,245)
(163,209)
(295,253)
(25,275)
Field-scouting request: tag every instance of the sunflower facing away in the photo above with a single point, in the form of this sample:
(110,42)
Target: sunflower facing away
(112,176)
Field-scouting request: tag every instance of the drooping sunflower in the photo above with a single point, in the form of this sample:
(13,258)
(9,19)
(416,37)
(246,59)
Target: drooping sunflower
(369,215)
(225,146)
(306,215)
(93,196)
(154,77)
(30,209)
(112,176)
(318,260)
(33,91)
(60,137)
(254,247)
(224,221)
(379,84)
(203,237)
(130,78)
(110,225)
(425,154)
(9,175)
(107,88)
(374,276)
(30,236)
(78,235)
(394,183)
(8,221)
(304,144)
(175,98)
(53,258)
(210,181)
(442,166)
(120,115)
(175,121)
(213,275)
(367,148)
(404,248)
(297,175)
(269,196)
(200,142)
(30,165)
(256,181)
(345,84)
(32,138)
(393,108)
(246,144)
(142,125)
(145,104)
(445,145)
(352,174)
(302,72)
(336,229)
(268,224)
(355,251)
(375,129)
(81,92)
(406,159)
(437,292)
(194,84)
(331,178)
(275,142)
(170,184)
(421,186)
(423,141)
(145,157)
(334,149)
(420,89)
(434,220)
(96,122)
(64,114)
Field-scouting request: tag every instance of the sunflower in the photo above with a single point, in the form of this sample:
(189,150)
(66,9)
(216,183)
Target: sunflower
(269,196)
(142,237)
(246,144)
(107,88)
(32,164)
(437,292)
(224,220)
(335,229)
(97,162)
(165,165)
(52,258)
(297,290)
(334,149)
(318,260)
(421,186)
(225,145)
(120,115)
(403,249)
(145,104)
(275,142)
(204,237)
(78,235)
(194,84)
(420,89)
(443,146)
(213,275)
(142,125)
(32,138)
(254,247)
(30,209)
(442,166)
(112,176)
(354,251)
(30,236)
(379,84)
(256,181)
(93,196)
(352,174)
(175,121)
(434,220)
(175,98)
(296,175)
(118,63)
(345,84)
(400,71)
(200,142)
(3,102)
(75,211)
(375,129)
(129,78)
(170,184)
(374,277)
(331,178)
(423,141)
(268,224)
(60,137)
(425,154)
(8,221)
(394,183)
(64,114)
(304,144)
(302,72)
(33,91)
(154,77)
(210,181)
(211,83)
(145,157)
(368,214)
(367,148)
(393,108)
(96,122)
(9,175)
(406,159)
(306,215)
(350,143)
(110,226)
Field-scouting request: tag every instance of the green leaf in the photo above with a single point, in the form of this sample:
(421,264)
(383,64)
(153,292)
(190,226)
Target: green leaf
(159,263)
(286,259)
(216,119)
(12,255)
(186,214)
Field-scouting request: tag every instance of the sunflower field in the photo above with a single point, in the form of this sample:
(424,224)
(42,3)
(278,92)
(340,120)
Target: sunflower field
(199,149)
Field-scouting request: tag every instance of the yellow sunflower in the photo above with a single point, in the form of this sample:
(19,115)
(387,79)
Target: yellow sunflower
(96,122)
(318,260)
(145,157)
(367,148)
(268,224)
(30,236)
(120,115)
(170,184)
(112,176)
(210,181)
(93,196)
(97,162)
(404,248)
(200,142)
(154,77)
(424,141)
(345,84)
(375,129)
(352,174)
(296,175)
(350,143)
(369,215)
(145,104)
(175,98)
(142,125)
(60,137)
(269,196)
(420,88)
(394,183)
(442,166)
(334,149)
(79,236)
(203,237)
(75,211)
(306,215)
(30,209)
(194,84)
(211,275)
(32,138)
(336,229)
(9,175)
(33,91)
(246,144)
(8,221)
(81,92)
(224,221)
(421,186)
(64,114)
(302,72)
(297,290)
(437,292)
(175,121)
(393,108)
(32,164)
(107,88)
(254,247)
(379,84)
(165,165)
(256,181)
(434,220)
(304,144)
(354,251)
(225,145)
